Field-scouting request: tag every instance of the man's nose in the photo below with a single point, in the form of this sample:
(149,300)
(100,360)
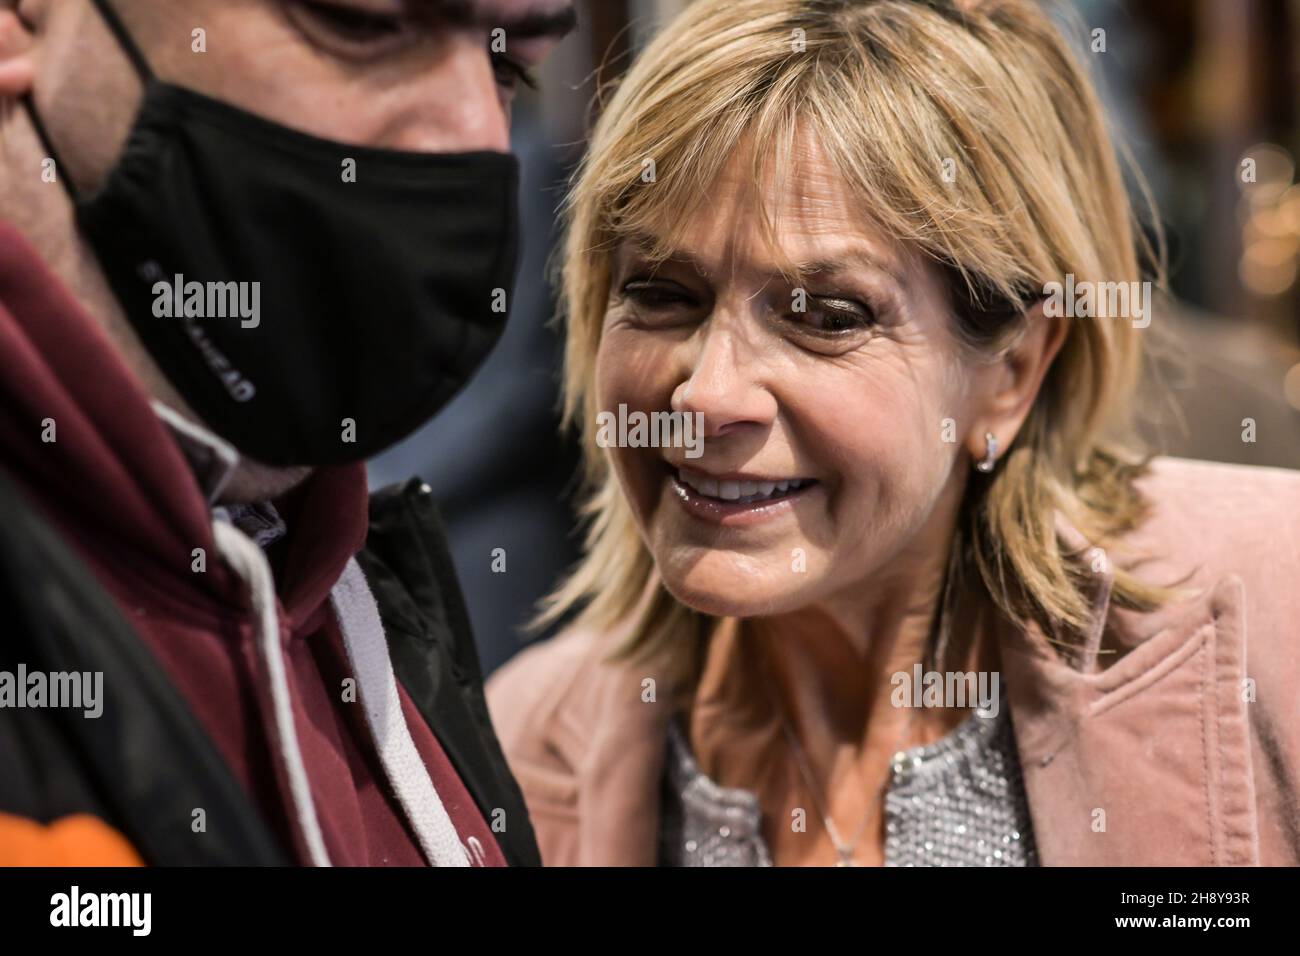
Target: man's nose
(457,108)
(721,381)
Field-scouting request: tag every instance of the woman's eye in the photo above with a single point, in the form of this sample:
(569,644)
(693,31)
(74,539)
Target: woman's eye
(833,316)
(656,295)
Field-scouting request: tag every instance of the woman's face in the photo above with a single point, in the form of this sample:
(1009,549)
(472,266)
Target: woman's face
(826,465)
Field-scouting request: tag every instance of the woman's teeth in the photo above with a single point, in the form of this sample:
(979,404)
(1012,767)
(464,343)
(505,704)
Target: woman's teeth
(741,492)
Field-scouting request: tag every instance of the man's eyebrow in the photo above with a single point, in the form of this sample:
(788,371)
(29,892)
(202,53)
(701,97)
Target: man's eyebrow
(527,25)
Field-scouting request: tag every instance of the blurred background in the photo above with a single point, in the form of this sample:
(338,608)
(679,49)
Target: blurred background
(1204,93)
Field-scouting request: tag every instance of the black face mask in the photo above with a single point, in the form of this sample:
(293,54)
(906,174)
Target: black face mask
(382,276)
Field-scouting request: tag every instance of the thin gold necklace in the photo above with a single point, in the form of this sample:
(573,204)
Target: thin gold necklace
(844,850)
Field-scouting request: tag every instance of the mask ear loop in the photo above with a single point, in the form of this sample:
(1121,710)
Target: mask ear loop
(29,101)
(142,69)
(124,40)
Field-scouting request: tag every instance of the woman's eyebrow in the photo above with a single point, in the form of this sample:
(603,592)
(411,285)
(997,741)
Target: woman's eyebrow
(852,258)
(849,262)
(644,248)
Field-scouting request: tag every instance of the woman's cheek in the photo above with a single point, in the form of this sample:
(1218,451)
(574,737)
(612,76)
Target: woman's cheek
(628,365)
(884,468)
(608,369)
(620,380)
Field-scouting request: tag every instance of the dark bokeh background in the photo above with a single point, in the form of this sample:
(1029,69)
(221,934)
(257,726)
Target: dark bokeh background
(1193,87)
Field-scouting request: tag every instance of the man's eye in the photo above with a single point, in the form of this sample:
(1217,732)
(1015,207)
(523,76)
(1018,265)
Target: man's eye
(348,24)
(510,73)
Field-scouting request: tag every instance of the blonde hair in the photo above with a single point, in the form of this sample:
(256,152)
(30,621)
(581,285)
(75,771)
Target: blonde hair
(895,92)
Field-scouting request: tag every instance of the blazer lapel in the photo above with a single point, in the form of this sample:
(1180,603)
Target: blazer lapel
(1146,762)
(618,790)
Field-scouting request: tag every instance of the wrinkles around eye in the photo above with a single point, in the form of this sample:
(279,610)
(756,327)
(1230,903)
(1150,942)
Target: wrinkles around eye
(828,324)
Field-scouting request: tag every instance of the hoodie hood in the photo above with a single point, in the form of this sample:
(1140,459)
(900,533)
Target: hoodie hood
(279,618)
(82,438)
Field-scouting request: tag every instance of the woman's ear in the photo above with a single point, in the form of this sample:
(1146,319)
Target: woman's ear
(16,66)
(1014,379)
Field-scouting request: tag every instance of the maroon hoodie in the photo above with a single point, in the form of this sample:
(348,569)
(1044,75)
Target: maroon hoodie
(114,482)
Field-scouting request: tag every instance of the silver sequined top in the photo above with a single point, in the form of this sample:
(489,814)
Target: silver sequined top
(959,801)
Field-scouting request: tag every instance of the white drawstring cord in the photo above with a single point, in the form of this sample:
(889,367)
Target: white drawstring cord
(363,635)
(246,559)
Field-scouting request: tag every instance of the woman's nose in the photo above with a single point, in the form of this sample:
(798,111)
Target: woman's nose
(722,383)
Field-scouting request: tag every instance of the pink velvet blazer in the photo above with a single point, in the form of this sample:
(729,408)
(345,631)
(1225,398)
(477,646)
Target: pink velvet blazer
(1190,741)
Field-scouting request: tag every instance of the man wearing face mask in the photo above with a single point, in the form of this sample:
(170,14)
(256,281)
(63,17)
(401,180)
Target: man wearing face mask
(244,246)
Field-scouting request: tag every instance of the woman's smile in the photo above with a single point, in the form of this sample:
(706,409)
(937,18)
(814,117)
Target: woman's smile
(737,499)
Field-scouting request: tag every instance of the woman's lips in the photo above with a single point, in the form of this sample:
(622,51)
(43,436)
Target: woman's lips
(737,502)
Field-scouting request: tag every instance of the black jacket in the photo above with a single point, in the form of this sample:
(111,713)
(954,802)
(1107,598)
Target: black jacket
(147,762)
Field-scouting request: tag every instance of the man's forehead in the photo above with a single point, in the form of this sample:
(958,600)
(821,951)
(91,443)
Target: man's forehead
(520,18)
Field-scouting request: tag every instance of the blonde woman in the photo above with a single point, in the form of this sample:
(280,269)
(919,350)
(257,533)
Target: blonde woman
(829,232)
